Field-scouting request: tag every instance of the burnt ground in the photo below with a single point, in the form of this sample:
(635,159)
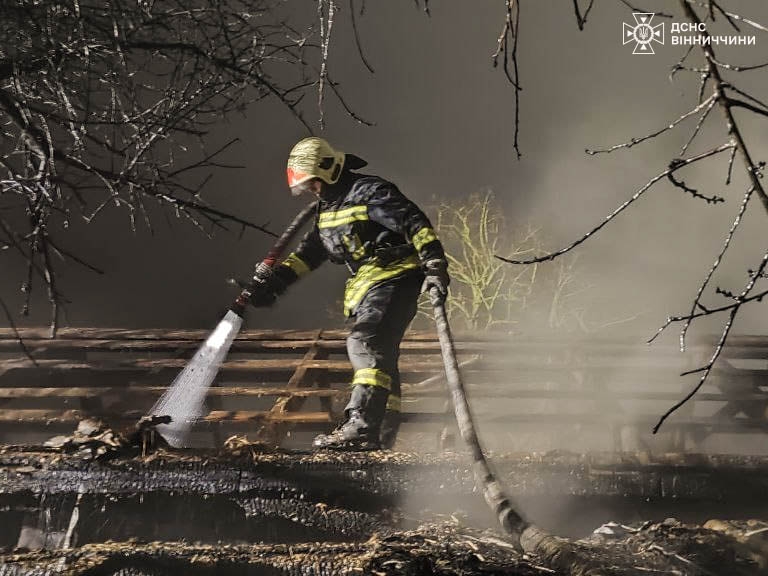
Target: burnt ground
(247,511)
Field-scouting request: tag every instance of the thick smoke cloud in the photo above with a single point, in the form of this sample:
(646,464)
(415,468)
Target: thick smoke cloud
(444,121)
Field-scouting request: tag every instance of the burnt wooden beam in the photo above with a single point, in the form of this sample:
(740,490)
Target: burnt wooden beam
(411,391)
(273,431)
(390,474)
(42,420)
(522,370)
(43,416)
(491,338)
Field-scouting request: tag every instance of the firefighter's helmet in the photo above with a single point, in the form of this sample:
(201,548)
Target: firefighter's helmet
(314,158)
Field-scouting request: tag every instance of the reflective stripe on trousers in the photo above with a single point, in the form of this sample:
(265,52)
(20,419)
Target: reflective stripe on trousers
(380,321)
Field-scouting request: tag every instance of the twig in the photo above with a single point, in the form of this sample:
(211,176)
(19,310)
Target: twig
(357,37)
(734,308)
(511,30)
(636,9)
(208,210)
(692,191)
(581,19)
(739,18)
(634,141)
(701,121)
(674,166)
(725,105)
(712,269)
(325,40)
(347,108)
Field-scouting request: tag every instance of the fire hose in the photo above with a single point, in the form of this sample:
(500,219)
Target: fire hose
(530,537)
(185,398)
(265,268)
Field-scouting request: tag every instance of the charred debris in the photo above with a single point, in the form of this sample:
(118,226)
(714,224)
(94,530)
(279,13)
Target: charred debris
(101,502)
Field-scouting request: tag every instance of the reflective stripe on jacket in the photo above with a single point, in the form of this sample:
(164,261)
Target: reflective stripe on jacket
(366,223)
(371,274)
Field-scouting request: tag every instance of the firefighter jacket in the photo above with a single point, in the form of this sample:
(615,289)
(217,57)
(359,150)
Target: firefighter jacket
(367,224)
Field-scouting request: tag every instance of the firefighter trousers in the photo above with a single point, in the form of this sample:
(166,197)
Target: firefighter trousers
(373,344)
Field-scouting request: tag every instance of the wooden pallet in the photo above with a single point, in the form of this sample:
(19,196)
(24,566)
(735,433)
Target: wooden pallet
(277,381)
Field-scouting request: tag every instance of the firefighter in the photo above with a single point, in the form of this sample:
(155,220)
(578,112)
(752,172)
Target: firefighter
(392,253)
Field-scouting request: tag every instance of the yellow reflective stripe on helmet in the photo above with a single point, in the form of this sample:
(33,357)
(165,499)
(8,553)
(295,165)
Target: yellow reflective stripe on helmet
(372,377)
(296,264)
(423,237)
(394,403)
(341,217)
(368,275)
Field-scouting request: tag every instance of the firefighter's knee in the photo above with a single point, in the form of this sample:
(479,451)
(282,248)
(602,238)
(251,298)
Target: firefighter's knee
(358,350)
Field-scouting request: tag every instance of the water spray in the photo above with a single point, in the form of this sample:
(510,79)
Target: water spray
(184,401)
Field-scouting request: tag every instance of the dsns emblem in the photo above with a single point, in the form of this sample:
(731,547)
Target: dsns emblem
(643,33)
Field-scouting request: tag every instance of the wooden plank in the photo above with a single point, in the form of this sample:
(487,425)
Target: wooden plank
(247,416)
(555,353)
(41,333)
(41,416)
(415,339)
(408,366)
(272,432)
(160,334)
(738,425)
(523,369)
(66,345)
(287,364)
(409,392)
(223,417)
(97,391)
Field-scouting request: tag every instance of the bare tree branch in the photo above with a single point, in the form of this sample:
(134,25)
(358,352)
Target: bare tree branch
(726,103)
(636,9)
(673,167)
(706,105)
(581,19)
(697,300)
(726,96)
(109,104)
(357,37)
(733,310)
(506,47)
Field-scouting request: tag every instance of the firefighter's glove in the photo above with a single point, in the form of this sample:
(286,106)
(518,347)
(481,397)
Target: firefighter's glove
(262,295)
(436,276)
(266,286)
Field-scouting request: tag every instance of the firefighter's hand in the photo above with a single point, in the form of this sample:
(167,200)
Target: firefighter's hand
(262,295)
(436,276)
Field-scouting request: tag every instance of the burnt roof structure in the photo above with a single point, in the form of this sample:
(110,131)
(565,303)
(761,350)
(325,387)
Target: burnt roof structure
(98,501)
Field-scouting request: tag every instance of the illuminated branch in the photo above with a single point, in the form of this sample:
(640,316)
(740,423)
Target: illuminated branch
(108,104)
(674,166)
(726,96)
(733,310)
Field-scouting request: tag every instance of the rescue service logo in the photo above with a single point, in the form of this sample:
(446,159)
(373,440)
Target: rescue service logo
(643,33)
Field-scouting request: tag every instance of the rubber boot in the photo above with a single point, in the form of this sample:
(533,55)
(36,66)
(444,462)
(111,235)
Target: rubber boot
(362,424)
(390,425)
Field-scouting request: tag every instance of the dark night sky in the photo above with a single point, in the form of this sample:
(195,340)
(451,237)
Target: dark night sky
(444,121)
